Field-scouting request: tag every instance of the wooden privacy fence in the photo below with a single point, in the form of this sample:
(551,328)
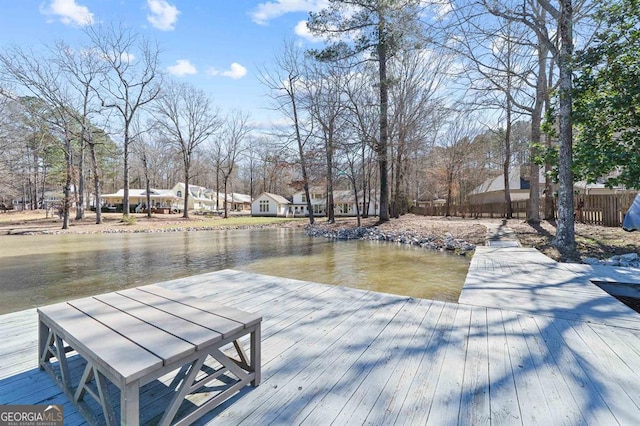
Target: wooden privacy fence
(601,209)
(605,210)
(491,210)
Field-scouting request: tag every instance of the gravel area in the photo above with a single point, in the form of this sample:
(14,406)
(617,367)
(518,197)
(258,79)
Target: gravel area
(592,241)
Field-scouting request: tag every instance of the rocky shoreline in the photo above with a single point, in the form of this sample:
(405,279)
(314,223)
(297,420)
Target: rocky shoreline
(629,260)
(446,242)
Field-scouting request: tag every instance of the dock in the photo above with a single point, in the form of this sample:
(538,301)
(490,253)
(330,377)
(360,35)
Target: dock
(531,341)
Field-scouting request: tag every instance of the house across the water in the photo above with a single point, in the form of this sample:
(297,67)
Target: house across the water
(200,200)
(344,204)
(267,204)
(162,201)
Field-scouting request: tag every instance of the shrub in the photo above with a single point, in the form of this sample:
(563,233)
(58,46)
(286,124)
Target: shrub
(129,220)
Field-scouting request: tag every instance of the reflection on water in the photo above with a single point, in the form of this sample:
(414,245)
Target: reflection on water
(43,269)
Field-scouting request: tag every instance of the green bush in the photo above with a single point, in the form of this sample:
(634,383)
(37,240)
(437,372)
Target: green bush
(129,220)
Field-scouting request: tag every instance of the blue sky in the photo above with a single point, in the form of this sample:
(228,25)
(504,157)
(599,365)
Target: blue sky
(217,45)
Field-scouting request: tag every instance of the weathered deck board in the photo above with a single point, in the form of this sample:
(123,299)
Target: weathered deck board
(335,354)
(395,391)
(524,280)
(346,401)
(505,409)
(418,402)
(475,407)
(333,348)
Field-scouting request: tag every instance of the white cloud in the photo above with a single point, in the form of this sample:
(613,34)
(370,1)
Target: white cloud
(163,15)
(127,57)
(69,12)
(235,71)
(182,67)
(302,30)
(264,12)
(436,9)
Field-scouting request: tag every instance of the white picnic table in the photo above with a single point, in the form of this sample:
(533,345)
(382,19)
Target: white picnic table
(133,337)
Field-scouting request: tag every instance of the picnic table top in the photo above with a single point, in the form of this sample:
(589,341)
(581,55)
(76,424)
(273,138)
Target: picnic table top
(133,332)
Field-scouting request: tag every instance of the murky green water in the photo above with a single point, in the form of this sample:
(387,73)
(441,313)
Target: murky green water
(43,269)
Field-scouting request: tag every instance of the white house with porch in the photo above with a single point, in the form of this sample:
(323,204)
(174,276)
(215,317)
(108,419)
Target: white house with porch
(161,199)
(267,204)
(200,198)
(240,202)
(344,203)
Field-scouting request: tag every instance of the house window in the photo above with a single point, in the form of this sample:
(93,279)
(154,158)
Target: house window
(317,196)
(304,198)
(316,209)
(344,208)
(264,206)
(179,194)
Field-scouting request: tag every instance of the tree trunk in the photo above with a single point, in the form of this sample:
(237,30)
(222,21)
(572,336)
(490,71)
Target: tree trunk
(447,210)
(96,182)
(125,200)
(185,213)
(365,205)
(507,162)
(565,232)
(331,213)
(549,208)
(67,185)
(384,106)
(303,163)
(217,187)
(397,197)
(533,215)
(355,196)
(34,205)
(224,202)
(148,190)
(80,189)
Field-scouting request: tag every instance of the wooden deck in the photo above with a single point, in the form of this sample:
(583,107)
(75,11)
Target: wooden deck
(525,280)
(344,356)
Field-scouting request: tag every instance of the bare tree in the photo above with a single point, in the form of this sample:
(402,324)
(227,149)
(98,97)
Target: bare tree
(151,153)
(559,43)
(456,142)
(415,103)
(82,72)
(132,81)
(233,136)
(283,82)
(499,72)
(216,156)
(378,28)
(269,164)
(326,106)
(363,118)
(250,157)
(186,117)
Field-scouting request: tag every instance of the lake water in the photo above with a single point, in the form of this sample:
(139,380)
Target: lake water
(42,269)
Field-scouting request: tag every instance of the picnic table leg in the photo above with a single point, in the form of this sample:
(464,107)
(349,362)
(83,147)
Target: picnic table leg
(43,342)
(255,354)
(130,404)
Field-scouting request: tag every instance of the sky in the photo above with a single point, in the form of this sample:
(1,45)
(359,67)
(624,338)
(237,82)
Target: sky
(218,46)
